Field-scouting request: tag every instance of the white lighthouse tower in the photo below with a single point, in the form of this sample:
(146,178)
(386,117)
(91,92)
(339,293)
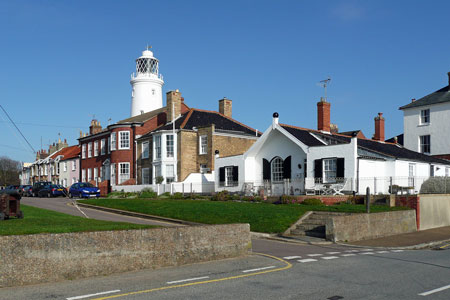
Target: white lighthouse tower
(147,84)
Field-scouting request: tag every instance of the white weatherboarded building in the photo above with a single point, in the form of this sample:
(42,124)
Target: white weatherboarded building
(292,160)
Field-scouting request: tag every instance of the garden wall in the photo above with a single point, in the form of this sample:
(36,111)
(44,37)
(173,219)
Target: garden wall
(434,211)
(358,227)
(31,259)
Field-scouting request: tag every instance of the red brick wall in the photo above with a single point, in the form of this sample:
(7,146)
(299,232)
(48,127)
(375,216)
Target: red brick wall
(411,201)
(323,116)
(327,200)
(105,188)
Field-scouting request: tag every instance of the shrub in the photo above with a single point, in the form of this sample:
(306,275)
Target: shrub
(221,196)
(312,201)
(159,179)
(288,199)
(177,196)
(148,193)
(236,197)
(436,185)
(248,198)
(165,195)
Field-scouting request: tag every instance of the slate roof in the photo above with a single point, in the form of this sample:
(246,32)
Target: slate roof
(440,96)
(200,118)
(306,136)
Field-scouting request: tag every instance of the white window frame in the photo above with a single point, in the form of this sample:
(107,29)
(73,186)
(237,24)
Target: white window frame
(102,146)
(89,174)
(122,175)
(113,141)
(124,136)
(83,175)
(423,144)
(95,148)
(145,176)
(329,166)
(425,116)
(89,150)
(109,145)
(276,168)
(203,144)
(95,174)
(74,165)
(65,166)
(170,145)
(83,151)
(113,174)
(229,176)
(145,149)
(170,176)
(157,142)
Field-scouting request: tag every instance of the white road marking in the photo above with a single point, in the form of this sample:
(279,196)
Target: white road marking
(259,269)
(306,260)
(291,257)
(333,252)
(92,295)
(312,255)
(348,254)
(397,250)
(189,279)
(364,253)
(329,257)
(383,251)
(351,250)
(435,290)
(367,250)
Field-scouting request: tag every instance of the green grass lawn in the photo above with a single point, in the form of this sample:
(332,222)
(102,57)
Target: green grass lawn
(38,220)
(262,217)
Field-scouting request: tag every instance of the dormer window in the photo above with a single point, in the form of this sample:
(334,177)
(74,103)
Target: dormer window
(424,116)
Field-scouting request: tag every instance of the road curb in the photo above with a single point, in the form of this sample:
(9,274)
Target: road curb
(413,247)
(138,215)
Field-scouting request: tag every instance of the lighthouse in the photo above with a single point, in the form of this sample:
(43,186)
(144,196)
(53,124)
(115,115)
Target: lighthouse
(146,83)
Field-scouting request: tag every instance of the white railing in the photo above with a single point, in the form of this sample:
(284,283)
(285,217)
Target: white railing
(148,75)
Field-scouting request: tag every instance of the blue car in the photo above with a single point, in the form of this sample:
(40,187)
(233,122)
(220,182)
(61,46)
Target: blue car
(84,190)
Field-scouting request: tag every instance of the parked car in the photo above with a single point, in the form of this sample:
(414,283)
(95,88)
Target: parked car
(52,190)
(84,190)
(24,189)
(37,186)
(28,192)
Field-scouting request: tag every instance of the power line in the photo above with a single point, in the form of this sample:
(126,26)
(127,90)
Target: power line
(44,125)
(17,128)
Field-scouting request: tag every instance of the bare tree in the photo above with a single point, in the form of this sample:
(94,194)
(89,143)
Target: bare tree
(9,171)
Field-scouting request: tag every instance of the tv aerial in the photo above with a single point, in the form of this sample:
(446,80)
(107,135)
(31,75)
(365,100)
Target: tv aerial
(324,83)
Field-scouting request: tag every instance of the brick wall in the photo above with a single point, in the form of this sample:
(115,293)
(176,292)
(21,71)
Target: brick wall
(187,158)
(411,201)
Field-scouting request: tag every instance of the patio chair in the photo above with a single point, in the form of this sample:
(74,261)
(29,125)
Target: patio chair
(336,189)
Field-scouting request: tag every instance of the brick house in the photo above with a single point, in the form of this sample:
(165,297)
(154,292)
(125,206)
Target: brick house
(183,149)
(110,153)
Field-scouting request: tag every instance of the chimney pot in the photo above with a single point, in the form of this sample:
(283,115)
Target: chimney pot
(413,99)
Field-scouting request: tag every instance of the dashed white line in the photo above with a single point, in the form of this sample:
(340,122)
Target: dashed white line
(92,295)
(291,257)
(366,253)
(259,269)
(383,251)
(333,252)
(348,254)
(312,255)
(397,250)
(367,250)
(189,279)
(329,257)
(306,260)
(434,291)
(351,250)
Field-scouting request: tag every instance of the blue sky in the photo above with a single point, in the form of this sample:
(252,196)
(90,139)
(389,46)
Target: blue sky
(61,62)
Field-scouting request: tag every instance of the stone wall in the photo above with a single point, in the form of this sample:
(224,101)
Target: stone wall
(369,226)
(31,259)
(411,201)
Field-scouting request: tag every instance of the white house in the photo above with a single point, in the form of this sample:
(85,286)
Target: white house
(293,160)
(426,124)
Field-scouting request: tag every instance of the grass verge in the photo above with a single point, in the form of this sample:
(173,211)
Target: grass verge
(38,220)
(262,217)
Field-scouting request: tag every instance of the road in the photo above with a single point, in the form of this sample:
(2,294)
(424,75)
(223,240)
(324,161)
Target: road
(275,270)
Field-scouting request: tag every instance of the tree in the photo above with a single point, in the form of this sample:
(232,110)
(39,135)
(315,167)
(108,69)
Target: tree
(9,171)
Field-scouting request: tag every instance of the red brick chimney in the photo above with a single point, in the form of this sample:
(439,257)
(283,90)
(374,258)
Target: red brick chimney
(323,115)
(379,128)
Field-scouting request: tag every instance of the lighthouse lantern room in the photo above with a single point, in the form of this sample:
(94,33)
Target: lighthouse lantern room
(146,84)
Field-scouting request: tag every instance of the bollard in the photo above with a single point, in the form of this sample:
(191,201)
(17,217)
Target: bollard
(368,200)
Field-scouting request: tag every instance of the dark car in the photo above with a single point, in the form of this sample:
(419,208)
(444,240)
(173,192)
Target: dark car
(84,190)
(24,190)
(37,186)
(52,190)
(13,188)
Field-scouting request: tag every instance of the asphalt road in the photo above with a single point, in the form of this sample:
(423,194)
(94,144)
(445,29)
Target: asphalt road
(296,272)
(64,205)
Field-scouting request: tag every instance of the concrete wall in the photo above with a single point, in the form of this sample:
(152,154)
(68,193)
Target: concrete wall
(434,211)
(31,259)
(368,226)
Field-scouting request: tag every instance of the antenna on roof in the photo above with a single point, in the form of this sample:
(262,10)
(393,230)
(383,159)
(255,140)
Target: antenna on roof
(324,83)
(109,121)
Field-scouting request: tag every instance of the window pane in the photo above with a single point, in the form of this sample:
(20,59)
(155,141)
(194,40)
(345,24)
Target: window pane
(277,170)
(169,145)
